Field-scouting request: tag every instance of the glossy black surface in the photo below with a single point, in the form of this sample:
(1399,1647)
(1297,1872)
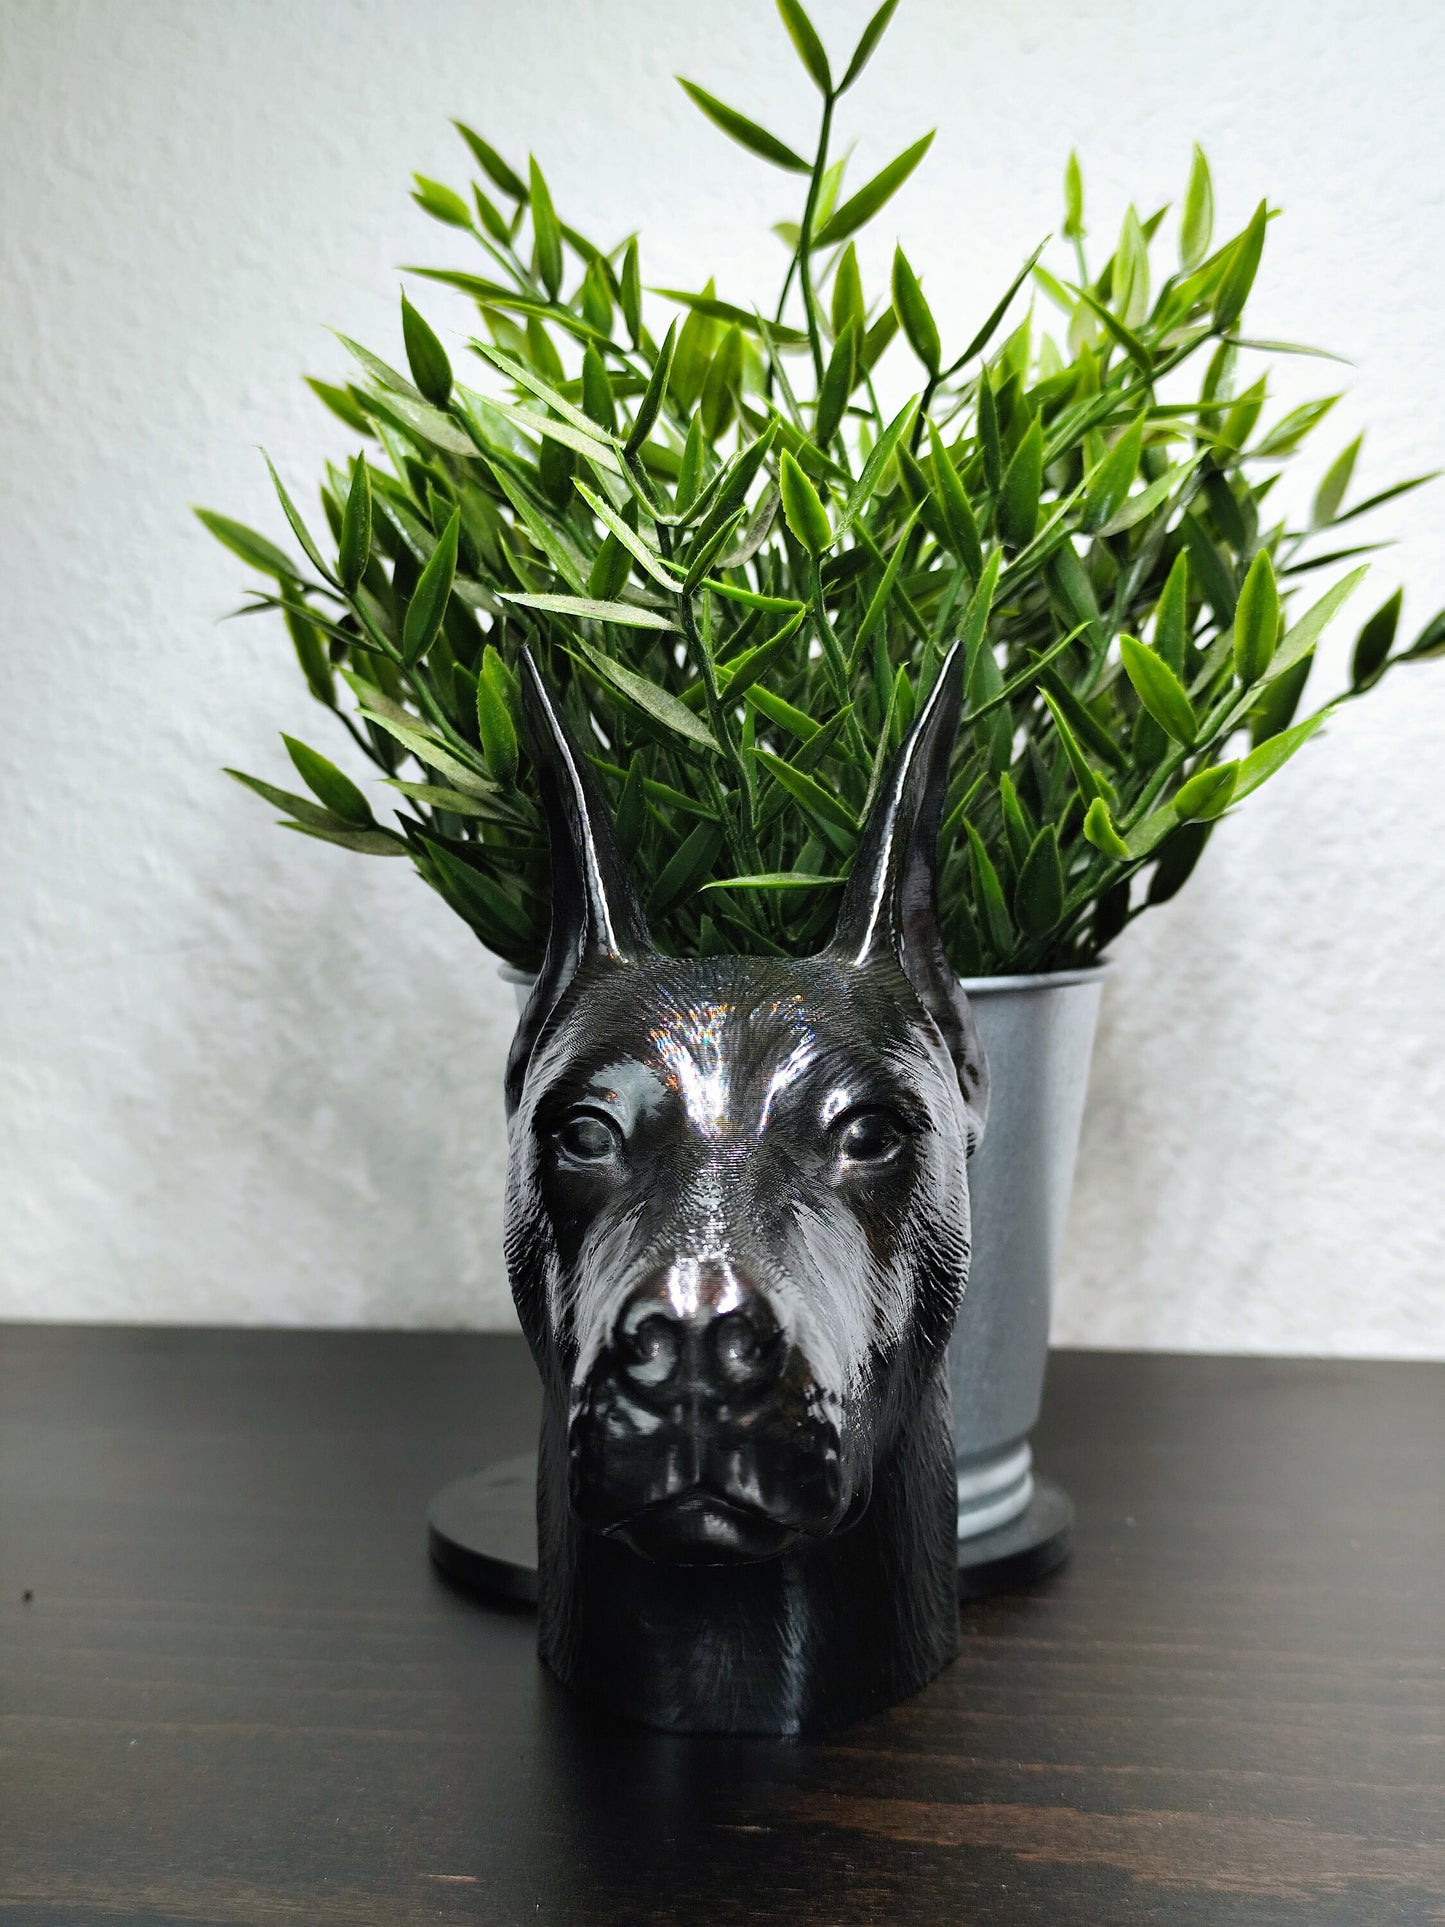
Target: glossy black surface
(737,1234)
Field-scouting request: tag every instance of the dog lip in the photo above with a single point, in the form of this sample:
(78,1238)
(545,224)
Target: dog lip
(698,1527)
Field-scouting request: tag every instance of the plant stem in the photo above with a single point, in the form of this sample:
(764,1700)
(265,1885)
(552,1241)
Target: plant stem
(805,238)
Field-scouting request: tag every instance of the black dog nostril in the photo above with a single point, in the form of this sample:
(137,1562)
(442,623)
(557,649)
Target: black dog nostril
(668,1354)
(745,1346)
(650,1350)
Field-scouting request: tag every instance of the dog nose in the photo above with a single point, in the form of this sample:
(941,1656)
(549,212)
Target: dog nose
(712,1338)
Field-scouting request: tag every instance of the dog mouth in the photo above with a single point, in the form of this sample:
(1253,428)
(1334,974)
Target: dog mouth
(699,1528)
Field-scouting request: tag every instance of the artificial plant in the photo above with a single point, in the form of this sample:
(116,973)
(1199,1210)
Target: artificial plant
(740,570)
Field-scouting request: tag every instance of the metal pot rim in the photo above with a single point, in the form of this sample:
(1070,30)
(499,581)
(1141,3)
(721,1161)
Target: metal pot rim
(975,986)
(1038,980)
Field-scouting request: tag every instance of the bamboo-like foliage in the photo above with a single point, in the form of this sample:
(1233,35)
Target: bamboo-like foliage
(741,572)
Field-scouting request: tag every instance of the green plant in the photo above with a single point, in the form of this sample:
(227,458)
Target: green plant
(741,571)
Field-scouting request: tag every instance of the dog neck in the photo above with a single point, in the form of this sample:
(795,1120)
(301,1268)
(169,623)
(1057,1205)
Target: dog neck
(796,1645)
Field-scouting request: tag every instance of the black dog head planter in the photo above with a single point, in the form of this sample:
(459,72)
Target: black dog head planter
(737,1235)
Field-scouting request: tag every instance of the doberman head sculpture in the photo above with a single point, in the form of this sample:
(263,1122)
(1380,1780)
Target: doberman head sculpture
(737,1236)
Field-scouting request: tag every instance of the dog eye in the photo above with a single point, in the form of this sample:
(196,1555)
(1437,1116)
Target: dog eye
(589,1139)
(868,1137)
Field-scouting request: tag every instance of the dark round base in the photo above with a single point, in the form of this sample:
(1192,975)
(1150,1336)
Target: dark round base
(482,1532)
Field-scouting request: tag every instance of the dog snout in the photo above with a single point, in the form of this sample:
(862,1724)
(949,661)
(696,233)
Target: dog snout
(698,1333)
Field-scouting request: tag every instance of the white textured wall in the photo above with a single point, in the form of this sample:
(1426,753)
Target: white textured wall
(245,1077)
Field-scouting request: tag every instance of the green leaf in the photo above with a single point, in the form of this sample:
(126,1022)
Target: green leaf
(426,357)
(756,661)
(492,164)
(1090,783)
(806,516)
(1131,272)
(1114,476)
(919,327)
(629,614)
(1239,277)
(1207,793)
(424,423)
(441,203)
(1099,830)
(1196,221)
(495,726)
(863,205)
(957,510)
(429,599)
(298,527)
(651,402)
(1429,643)
(990,441)
(776,881)
(329,785)
(373,842)
(597,400)
(721,383)
(476,895)
(1018,502)
(544,390)
(311,653)
(836,386)
(745,132)
(253,549)
(1159,690)
(1261,763)
(355,547)
(546,231)
(807,790)
(709,307)
(341,403)
(804,37)
(1256,621)
(630,293)
(847,303)
(1372,646)
(1073,199)
(986,332)
(1214,573)
(1137,508)
(629,538)
(1019,832)
(867,41)
(660,704)
(299,807)
(1171,617)
(988,892)
(1332,489)
(380,371)
(456,802)
(684,870)
(782,714)
(878,459)
(876,341)
(1133,347)
(491,216)
(596,301)
(1039,892)
(1081,719)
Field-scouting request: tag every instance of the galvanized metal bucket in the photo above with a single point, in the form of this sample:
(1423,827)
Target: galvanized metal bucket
(1039,1035)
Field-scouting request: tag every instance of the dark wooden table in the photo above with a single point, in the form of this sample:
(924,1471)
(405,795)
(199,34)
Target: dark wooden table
(232,1690)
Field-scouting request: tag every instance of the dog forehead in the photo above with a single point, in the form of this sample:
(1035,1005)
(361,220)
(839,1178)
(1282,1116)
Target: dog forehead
(711,1029)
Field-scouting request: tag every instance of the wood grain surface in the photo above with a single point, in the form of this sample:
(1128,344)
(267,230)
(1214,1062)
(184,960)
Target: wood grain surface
(233,1691)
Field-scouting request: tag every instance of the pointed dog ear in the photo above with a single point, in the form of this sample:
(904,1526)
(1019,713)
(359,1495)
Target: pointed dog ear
(596,915)
(890,904)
